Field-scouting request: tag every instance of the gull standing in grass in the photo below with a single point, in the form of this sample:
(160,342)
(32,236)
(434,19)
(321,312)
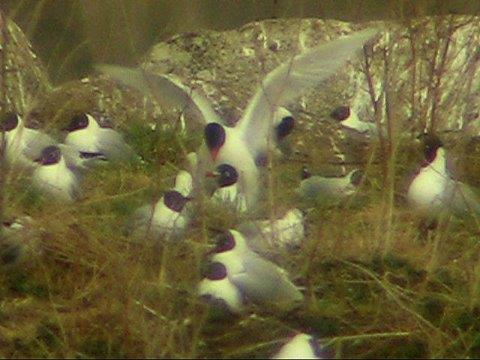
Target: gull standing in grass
(218,290)
(328,190)
(258,279)
(433,189)
(22,144)
(301,346)
(54,177)
(241,146)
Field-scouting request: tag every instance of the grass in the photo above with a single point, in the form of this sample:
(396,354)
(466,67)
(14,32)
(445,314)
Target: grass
(375,285)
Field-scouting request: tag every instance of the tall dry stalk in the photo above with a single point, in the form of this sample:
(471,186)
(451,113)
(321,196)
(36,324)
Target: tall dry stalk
(3,109)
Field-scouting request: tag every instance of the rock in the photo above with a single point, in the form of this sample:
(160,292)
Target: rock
(423,92)
(426,71)
(23,77)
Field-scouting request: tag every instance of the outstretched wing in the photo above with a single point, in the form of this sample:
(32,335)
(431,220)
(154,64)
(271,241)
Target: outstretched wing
(286,83)
(167,90)
(112,145)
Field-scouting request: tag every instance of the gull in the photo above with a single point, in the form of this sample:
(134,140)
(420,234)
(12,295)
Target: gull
(301,346)
(22,144)
(228,191)
(242,145)
(433,189)
(258,279)
(54,177)
(263,236)
(94,138)
(348,118)
(169,216)
(328,190)
(218,290)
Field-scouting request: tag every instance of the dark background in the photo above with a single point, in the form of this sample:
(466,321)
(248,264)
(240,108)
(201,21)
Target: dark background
(71,35)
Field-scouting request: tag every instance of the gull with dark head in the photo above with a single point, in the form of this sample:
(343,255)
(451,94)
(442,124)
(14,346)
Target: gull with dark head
(433,189)
(94,138)
(258,279)
(349,119)
(241,146)
(218,290)
(21,143)
(167,217)
(54,177)
(228,191)
(328,190)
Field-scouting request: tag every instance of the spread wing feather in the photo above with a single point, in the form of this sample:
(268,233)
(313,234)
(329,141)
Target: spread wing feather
(286,82)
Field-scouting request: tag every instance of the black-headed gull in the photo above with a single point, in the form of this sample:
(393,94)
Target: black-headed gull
(22,144)
(54,177)
(93,137)
(433,189)
(328,190)
(218,290)
(228,192)
(242,145)
(258,279)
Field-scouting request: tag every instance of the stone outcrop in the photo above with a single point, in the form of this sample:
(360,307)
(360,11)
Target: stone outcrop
(416,76)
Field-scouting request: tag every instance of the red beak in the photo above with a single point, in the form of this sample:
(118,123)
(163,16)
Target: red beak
(214,154)
(210,174)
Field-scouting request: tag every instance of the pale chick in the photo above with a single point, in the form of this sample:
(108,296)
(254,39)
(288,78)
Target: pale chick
(218,290)
(23,145)
(242,145)
(433,190)
(301,346)
(259,280)
(54,177)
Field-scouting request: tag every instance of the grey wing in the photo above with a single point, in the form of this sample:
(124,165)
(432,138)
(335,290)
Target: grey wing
(35,143)
(75,190)
(141,222)
(316,186)
(167,90)
(287,82)
(254,237)
(112,145)
(265,282)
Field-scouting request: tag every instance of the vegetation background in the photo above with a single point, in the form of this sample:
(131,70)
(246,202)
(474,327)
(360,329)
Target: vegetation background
(95,294)
(71,35)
